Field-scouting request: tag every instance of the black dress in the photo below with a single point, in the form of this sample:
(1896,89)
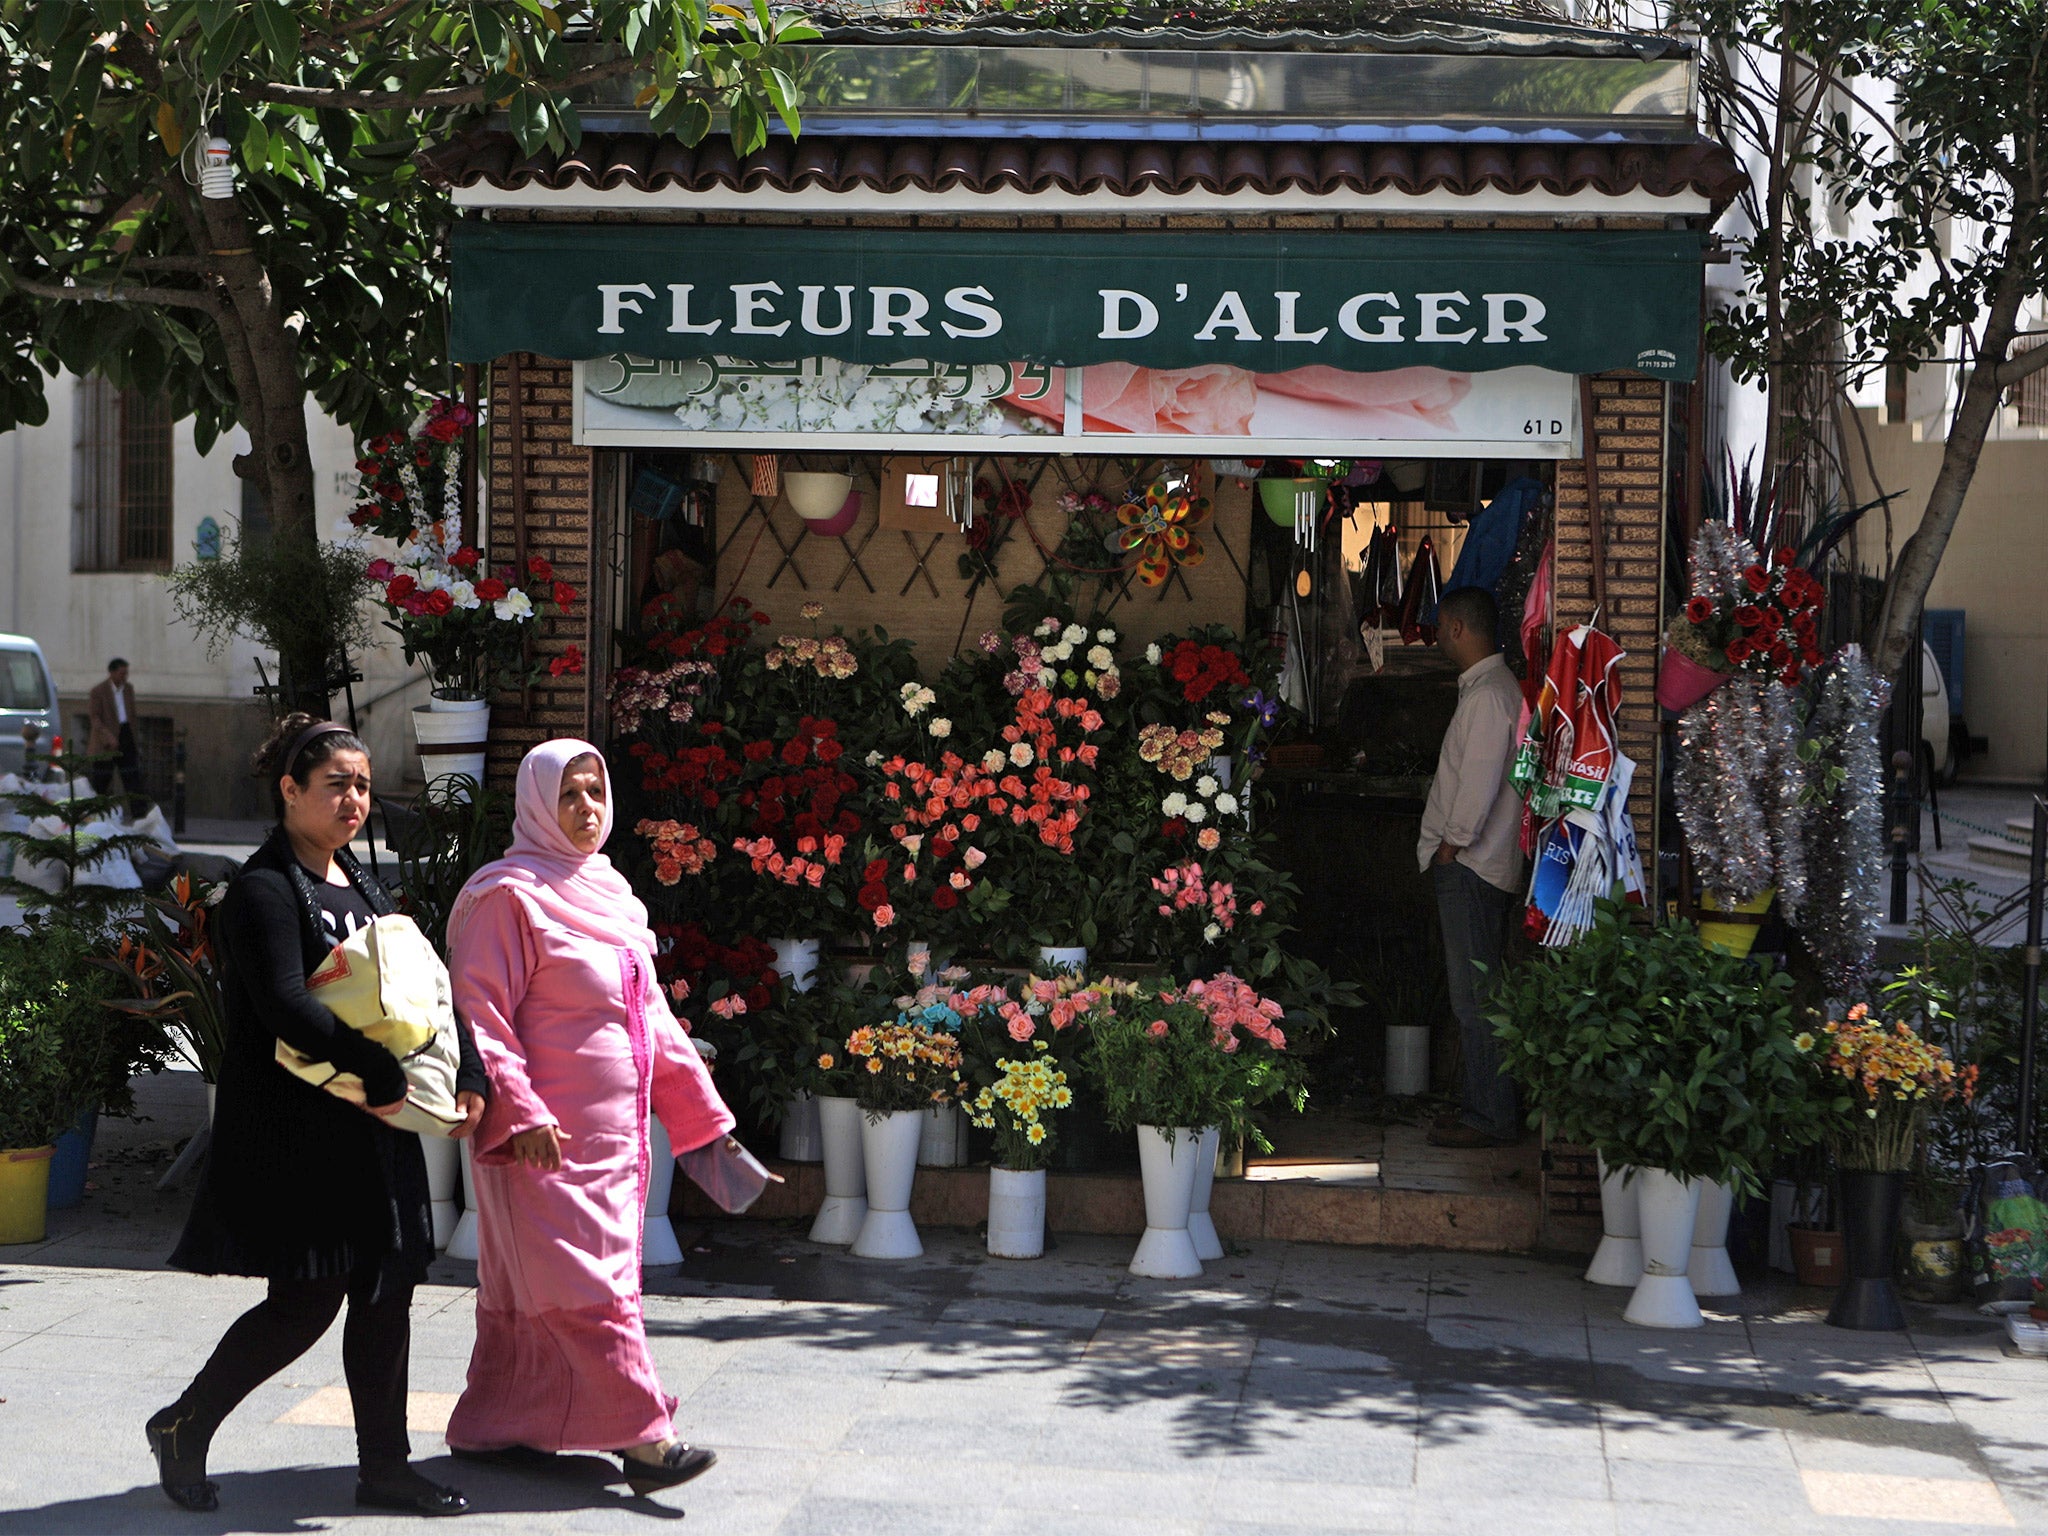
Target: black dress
(298,1184)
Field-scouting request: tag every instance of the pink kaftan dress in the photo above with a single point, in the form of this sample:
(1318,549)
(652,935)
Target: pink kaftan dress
(574,1033)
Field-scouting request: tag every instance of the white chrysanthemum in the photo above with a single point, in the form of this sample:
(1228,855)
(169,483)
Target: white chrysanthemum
(942,727)
(1020,753)
(1197,812)
(1099,657)
(1174,804)
(514,608)
(1074,634)
(1106,636)
(1152,654)
(1226,803)
(1206,786)
(464,595)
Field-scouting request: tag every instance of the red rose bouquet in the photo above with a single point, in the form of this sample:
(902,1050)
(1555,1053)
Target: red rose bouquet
(469,627)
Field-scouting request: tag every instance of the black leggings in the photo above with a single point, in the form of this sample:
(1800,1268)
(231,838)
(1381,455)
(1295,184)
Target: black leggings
(376,1348)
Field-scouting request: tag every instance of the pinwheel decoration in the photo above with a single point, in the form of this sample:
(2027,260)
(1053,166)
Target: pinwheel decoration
(1160,527)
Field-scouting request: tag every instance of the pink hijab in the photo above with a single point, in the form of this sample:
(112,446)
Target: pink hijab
(580,891)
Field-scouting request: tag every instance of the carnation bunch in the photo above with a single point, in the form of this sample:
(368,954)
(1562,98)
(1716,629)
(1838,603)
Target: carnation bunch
(1893,1076)
(679,849)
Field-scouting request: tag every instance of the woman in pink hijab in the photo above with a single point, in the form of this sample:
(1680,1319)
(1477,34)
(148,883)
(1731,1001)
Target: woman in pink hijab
(554,970)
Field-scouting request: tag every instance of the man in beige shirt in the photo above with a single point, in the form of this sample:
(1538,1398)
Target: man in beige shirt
(1471,849)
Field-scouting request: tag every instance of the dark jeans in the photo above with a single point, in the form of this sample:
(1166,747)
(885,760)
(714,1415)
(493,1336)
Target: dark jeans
(129,762)
(1474,917)
(376,1350)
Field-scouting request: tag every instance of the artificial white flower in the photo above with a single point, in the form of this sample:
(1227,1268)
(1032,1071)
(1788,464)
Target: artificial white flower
(1226,803)
(1174,804)
(432,578)
(1020,753)
(942,727)
(465,595)
(1099,657)
(1206,786)
(1212,932)
(514,608)
(1106,636)
(916,698)
(1058,652)
(1152,655)
(1047,677)
(1074,634)
(1197,812)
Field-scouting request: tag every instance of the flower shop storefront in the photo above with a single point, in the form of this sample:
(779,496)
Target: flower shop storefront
(971,599)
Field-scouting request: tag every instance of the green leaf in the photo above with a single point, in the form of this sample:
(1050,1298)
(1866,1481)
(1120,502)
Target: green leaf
(279,28)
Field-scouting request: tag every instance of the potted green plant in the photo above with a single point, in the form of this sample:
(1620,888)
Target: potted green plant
(1668,1059)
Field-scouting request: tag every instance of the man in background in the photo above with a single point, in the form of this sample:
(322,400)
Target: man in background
(110,713)
(1471,850)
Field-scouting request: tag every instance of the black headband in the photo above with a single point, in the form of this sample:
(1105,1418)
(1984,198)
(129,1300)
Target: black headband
(305,739)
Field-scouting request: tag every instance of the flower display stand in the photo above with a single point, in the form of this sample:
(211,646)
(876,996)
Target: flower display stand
(1168,1158)
(659,1249)
(1670,1208)
(452,735)
(943,1140)
(444,1177)
(889,1147)
(846,1172)
(1016,1213)
(462,1242)
(1201,1230)
(1709,1269)
(1619,1258)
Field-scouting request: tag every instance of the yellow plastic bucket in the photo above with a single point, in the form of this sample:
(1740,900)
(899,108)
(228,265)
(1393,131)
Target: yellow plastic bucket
(24,1193)
(1736,939)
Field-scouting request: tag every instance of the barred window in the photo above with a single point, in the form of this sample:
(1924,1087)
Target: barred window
(121,480)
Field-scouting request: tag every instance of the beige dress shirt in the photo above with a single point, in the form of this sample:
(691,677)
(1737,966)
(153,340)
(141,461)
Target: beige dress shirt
(1471,804)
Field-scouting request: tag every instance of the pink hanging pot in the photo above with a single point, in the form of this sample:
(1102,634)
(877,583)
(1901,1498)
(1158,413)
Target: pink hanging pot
(1683,682)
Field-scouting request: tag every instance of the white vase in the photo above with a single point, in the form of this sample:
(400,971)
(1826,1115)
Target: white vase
(888,1144)
(453,735)
(1201,1230)
(1619,1258)
(798,960)
(1407,1060)
(1167,1157)
(1669,1207)
(943,1141)
(444,1177)
(659,1249)
(462,1241)
(1016,1213)
(1069,957)
(799,1140)
(846,1172)
(1709,1270)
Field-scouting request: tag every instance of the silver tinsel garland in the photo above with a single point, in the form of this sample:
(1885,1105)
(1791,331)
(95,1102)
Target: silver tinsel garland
(1723,783)
(1845,841)
(1785,801)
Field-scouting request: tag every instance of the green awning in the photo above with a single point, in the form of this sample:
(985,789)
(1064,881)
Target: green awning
(1263,300)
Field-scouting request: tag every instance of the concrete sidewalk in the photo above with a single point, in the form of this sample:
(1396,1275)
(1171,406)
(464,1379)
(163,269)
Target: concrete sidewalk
(1295,1389)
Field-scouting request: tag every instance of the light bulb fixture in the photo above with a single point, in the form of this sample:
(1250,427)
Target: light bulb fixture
(217,169)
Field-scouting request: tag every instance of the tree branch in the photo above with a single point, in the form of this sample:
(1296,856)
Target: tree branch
(111,293)
(424,101)
(2020,365)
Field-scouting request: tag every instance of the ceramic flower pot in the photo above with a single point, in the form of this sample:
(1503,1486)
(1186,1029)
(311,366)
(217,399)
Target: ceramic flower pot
(24,1194)
(943,1141)
(1670,1209)
(846,1172)
(1167,1157)
(799,1140)
(1709,1270)
(452,734)
(1201,1230)
(444,1178)
(815,496)
(462,1242)
(1816,1254)
(889,1148)
(1619,1258)
(1016,1213)
(1871,1204)
(659,1249)
(1683,682)
(1063,957)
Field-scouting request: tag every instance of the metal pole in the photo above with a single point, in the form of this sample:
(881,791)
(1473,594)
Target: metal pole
(1902,807)
(2030,995)
(178,785)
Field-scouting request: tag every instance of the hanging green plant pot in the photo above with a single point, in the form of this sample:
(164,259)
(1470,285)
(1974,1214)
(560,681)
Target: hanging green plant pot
(1279,497)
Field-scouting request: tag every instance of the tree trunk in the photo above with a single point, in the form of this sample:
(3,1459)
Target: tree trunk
(1906,593)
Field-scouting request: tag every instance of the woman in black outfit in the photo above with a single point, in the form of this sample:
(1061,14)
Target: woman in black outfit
(324,1201)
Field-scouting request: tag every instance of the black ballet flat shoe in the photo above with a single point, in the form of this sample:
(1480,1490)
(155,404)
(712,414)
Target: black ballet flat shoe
(678,1465)
(416,1497)
(517,1458)
(181,1460)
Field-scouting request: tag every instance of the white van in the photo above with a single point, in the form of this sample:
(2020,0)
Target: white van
(28,698)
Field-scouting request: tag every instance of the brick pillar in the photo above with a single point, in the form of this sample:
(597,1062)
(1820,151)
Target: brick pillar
(1626,438)
(542,507)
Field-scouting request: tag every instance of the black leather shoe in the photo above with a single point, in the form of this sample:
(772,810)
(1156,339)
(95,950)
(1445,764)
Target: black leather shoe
(678,1465)
(416,1497)
(518,1458)
(180,1453)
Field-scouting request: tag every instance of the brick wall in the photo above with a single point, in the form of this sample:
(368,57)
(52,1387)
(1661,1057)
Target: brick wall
(547,514)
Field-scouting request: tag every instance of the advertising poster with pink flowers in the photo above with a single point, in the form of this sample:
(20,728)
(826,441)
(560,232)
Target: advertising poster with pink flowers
(626,401)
